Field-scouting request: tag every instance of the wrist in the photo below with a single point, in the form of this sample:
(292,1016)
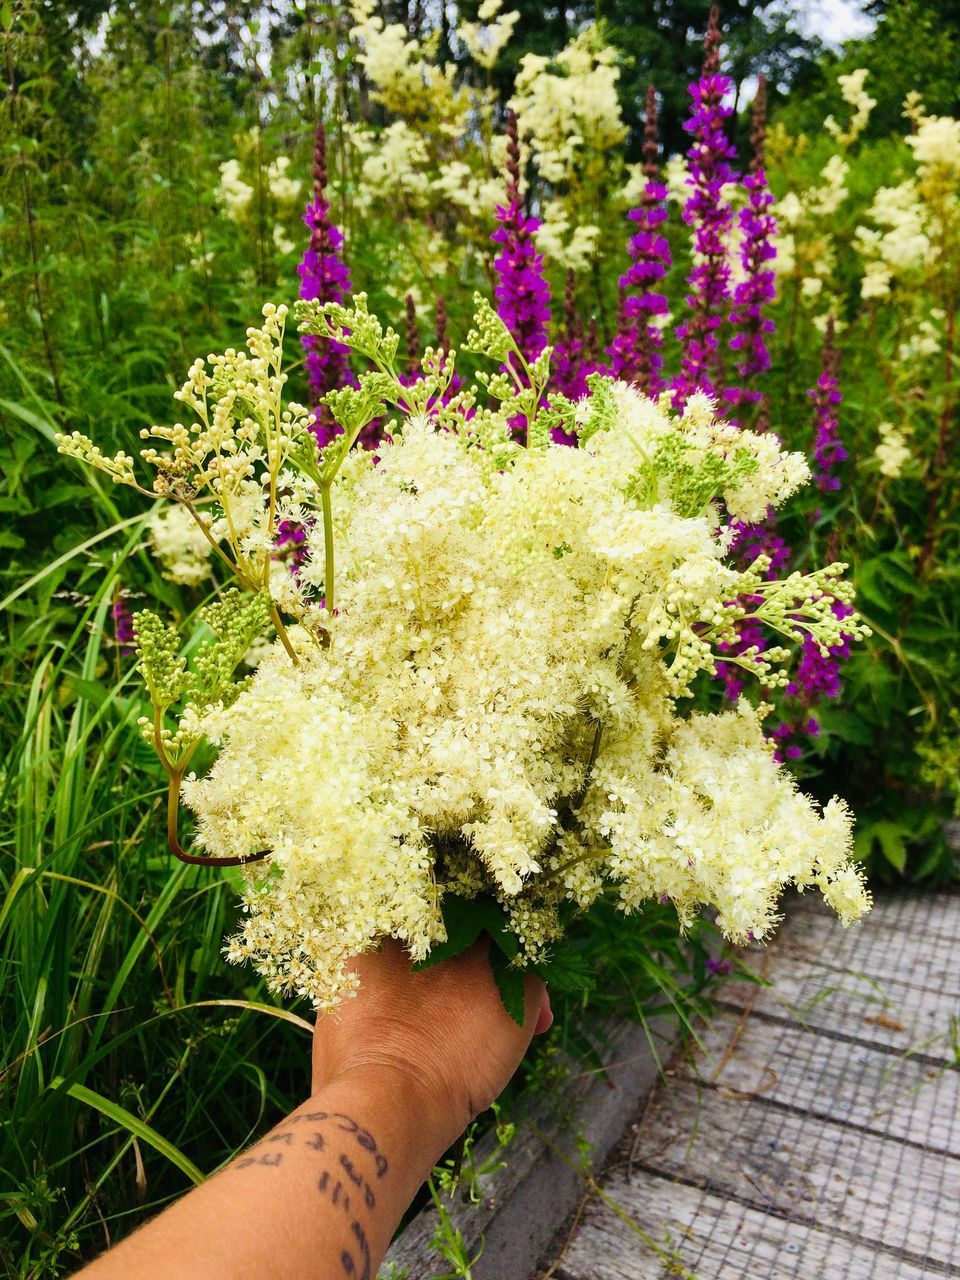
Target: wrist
(417,1121)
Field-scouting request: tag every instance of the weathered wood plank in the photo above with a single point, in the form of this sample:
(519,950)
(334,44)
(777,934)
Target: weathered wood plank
(716,1239)
(529,1196)
(806,1168)
(886,1013)
(899,948)
(939,911)
(892,1096)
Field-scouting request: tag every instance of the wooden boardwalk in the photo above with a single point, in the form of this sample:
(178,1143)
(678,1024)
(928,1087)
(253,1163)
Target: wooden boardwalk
(815,1133)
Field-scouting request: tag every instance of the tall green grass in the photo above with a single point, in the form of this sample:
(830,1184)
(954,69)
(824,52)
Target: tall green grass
(133,1060)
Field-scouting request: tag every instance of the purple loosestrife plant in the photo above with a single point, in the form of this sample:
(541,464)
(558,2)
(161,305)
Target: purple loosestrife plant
(124,636)
(758,287)
(650,251)
(569,367)
(711,217)
(818,674)
(523,295)
(828,449)
(623,350)
(324,276)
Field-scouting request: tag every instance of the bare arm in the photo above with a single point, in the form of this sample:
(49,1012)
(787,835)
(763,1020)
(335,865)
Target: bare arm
(398,1073)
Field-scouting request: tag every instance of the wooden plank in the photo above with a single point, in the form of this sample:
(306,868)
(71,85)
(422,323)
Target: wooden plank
(888,1013)
(938,910)
(716,1239)
(526,1200)
(891,1096)
(889,949)
(808,1169)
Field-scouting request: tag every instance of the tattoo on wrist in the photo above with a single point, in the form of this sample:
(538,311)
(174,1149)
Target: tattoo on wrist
(336,1187)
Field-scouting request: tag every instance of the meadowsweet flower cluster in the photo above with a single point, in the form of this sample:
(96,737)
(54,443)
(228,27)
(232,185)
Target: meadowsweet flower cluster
(181,546)
(853,91)
(892,452)
(569,108)
(485,39)
(483,660)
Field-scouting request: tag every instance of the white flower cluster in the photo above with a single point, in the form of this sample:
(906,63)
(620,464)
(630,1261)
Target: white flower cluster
(569,110)
(496,709)
(919,218)
(406,76)
(925,340)
(936,144)
(283,188)
(233,193)
(486,39)
(180,545)
(902,247)
(397,165)
(572,248)
(852,90)
(892,453)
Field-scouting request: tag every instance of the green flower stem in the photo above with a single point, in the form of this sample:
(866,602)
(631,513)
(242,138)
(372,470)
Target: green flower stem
(592,855)
(212,540)
(328,579)
(282,635)
(197,859)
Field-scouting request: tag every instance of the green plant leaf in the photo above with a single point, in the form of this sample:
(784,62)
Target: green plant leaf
(127,1120)
(465,919)
(510,984)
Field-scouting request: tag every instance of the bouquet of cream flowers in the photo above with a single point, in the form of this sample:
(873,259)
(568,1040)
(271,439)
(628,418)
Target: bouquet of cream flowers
(476,714)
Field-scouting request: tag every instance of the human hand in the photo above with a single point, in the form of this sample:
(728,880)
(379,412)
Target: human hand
(442,1033)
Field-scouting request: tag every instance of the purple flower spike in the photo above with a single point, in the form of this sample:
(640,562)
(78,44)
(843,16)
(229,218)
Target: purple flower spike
(711,218)
(637,356)
(324,276)
(758,288)
(124,635)
(523,295)
(828,451)
(569,367)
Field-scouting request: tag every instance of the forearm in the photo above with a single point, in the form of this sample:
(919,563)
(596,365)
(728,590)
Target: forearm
(319,1196)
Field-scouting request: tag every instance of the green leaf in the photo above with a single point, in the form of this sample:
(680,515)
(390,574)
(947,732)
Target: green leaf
(568,972)
(890,837)
(92,690)
(465,919)
(510,984)
(133,1124)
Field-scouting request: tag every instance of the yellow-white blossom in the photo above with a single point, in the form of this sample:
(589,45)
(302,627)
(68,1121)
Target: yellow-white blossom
(492,612)
(573,248)
(893,452)
(853,91)
(575,108)
(486,39)
(397,164)
(936,143)
(492,696)
(282,188)
(180,544)
(233,192)
(281,240)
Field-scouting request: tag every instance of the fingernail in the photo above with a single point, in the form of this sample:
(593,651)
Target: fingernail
(545,1018)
